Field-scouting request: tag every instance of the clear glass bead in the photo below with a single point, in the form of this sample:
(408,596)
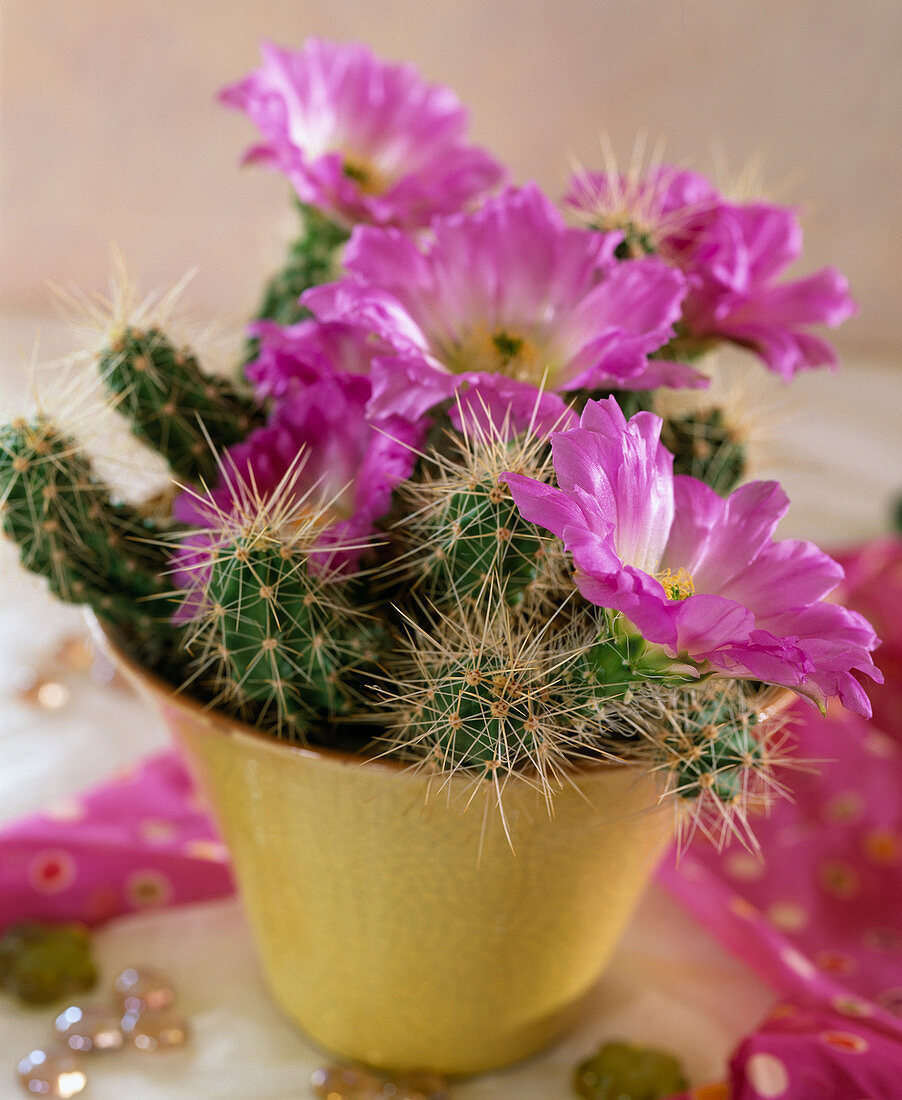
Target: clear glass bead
(351,1083)
(153,1031)
(94,1027)
(143,990)
(57,1074)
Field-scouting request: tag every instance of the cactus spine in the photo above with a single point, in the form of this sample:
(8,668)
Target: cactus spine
(491,693)
(280,642)
(67,527)
(705,446)
(172,405)
(463,533)
(714,750)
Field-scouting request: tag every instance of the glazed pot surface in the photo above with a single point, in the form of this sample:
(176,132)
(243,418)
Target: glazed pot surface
(403,920)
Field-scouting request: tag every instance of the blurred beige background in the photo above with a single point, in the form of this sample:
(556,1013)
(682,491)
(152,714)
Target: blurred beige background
(111,132)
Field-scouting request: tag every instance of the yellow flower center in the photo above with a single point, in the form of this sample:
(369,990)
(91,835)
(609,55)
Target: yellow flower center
(365,174)
(499,351)
(677,585)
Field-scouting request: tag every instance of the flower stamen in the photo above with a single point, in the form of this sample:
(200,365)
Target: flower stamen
(365,175)
(499,351)
(679,585)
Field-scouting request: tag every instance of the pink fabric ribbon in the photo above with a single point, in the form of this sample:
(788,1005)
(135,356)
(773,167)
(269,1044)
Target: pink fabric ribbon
(139,841)
(819,916)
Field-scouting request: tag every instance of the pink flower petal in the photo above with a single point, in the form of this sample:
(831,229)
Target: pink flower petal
(361,139)
(693,572)
(732,256)
(506,298)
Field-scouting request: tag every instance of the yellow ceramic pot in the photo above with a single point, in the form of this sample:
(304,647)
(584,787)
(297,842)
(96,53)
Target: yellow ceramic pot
(399,920)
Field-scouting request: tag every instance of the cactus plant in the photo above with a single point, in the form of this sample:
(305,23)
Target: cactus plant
(171,404)
(530,588)
(313,258)
(67,527)
(461,533)
(705,446)
(277,638)
(488,692)
(715,750)
(479,652)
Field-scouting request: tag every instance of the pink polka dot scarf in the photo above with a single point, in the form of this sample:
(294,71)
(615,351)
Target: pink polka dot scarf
(819,915)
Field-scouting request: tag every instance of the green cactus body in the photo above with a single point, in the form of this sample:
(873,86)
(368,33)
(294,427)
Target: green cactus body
(464,534)
(172,405)
(67,528)
(706,447)
(312,259)
(478,533)
(286,646)
(492,692)
(612,665)
(481,712)
(716,751)
(637,242)
(624,1071)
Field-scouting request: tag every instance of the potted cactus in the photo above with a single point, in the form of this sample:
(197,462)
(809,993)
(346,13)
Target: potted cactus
(452,624)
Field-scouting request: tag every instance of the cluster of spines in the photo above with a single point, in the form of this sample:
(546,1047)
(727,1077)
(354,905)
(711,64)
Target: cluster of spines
(489,694)
(492,690)
(462,534)
(278,638)
(714,750)
(68,528)
(172,405)
(718,744)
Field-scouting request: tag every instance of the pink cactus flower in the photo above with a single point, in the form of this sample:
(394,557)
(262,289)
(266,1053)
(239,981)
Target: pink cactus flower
(292,357)
(732,255)
(507,309)
(340,468)
(697,574)
(361,139)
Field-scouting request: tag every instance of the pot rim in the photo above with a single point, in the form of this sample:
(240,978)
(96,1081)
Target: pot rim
(211,717)
(233,727)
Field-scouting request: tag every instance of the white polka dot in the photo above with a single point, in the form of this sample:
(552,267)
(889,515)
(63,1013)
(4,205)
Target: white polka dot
(891,999)
(845,1040)
(67,809)
(852,1006)
(796,961)
(788,915)
(51,871)
(767,1075)
(845,807)
(880,745)
(213,850)
(747,867)
(157,832)
(148,887)
(691,870)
